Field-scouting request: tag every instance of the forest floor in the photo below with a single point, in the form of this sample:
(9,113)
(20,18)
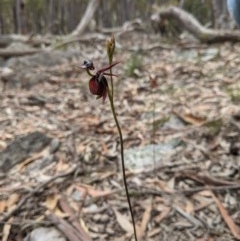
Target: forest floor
(184,93)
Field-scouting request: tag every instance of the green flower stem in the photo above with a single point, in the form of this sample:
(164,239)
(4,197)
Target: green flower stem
(89,73)
(110,58)
(111,81)
(110,95)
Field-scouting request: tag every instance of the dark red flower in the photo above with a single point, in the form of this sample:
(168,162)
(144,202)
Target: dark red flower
(98,84)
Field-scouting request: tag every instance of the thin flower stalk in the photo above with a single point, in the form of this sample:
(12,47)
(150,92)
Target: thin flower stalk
(110,52)
(98,85)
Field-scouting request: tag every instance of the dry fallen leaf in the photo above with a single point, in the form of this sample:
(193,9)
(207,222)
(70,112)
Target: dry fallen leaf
(6,230)
(95,193)
(226,217)
(144,223)
(162,215)
(154,232)
(123,222)
(204,239)
(51,201)
(190,118)
(205,193)
(3,205)
(60,214)
(83,225)
(202,201)
(189,208)
(12,200)
(98,193)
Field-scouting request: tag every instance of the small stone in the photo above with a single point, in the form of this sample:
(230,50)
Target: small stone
(110,231)
(92,208)
(97,218)
(55,144)
(104,218)
(49,234)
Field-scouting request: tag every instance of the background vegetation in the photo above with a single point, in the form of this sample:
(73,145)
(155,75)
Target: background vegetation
(62,16)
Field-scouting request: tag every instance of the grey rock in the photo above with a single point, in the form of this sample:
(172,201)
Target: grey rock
(30,70)
(46,234)
(147,156)
(21,148)
(55,144)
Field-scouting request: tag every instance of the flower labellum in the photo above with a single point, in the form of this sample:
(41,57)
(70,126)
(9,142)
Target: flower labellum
(98,86)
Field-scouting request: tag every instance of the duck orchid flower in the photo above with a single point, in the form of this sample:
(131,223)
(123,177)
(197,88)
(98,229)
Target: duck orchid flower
(98,84)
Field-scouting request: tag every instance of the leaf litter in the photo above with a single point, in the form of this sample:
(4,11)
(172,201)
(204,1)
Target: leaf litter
(191,193)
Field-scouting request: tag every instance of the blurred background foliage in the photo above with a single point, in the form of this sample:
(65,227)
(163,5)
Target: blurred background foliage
(62,16)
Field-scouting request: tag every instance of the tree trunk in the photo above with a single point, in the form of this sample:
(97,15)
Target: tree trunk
(219,13)
(89,13)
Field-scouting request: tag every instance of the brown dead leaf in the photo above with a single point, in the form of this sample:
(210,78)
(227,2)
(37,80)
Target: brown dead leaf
(106,174)
(99,193)
(83,225)
(165,186)
(190,118)
(91,120)
(96,193)
(204,239)
(207,179)
(3,205)
(162,215)
(60,214)
(226,217)
(123,222)
(6,230)
(189,208)
(202,108)
(51,202)
(154,232)
(205,193)
(80,148)
(12,200)
(62,166)
(70,190)
(3,144)
(202,201)
(144,223)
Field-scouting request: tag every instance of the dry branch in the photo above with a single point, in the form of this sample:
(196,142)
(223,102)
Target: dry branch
(7,53)
(68,230)
(34,41)
(192,25)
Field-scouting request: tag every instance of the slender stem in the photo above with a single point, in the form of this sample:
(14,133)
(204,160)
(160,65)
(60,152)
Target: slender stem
(122,156)
(112,89)
(110,52)
(89,73)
